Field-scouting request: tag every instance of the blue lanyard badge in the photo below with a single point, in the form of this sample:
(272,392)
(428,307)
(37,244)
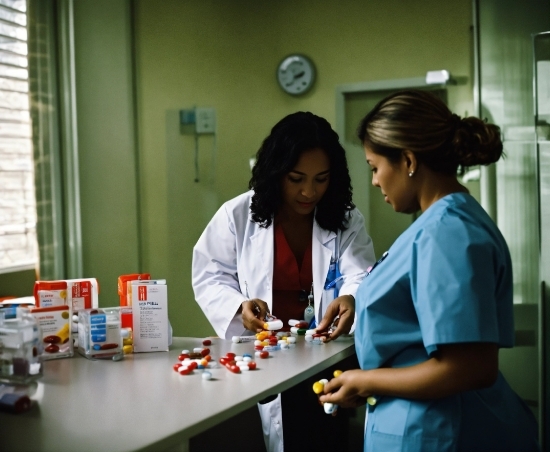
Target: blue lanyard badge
(333,278)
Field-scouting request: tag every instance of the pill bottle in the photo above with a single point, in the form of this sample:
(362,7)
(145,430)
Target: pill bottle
(20,348)
(99,333)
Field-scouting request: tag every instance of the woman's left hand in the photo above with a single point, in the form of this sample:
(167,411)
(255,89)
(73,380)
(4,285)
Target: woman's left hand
(341,313)
(347,390)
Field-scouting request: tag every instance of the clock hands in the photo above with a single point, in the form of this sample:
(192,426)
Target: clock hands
(298,75)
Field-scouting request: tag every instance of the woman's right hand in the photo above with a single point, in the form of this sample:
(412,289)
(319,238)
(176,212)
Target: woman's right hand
(253,313)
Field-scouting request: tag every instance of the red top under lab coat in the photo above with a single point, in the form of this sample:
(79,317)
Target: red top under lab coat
(290,280)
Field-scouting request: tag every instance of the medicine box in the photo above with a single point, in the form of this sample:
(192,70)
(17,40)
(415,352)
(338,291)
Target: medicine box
(99,334)
(55,325)
(50,293)
(150,316)
(83,293)
(125,286)
(80,293)
(20,348)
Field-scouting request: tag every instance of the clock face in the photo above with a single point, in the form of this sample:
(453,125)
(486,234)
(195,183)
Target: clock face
(296,74)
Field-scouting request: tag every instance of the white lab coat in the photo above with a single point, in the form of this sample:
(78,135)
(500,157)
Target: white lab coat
(234,254)
(233,262)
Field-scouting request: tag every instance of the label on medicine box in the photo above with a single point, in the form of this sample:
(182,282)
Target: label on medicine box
(150,316)
(55,326)
(50,293)
(83,293)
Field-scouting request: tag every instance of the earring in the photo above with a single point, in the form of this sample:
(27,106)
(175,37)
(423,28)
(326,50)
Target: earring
(411,174)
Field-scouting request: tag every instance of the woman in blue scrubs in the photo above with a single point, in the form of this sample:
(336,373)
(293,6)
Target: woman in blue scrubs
(432,315)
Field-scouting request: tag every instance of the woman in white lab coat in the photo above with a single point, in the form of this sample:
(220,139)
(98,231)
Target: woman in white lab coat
(275,248)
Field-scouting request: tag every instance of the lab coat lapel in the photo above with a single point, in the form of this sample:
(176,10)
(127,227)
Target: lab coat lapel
(322,249)
(262,269)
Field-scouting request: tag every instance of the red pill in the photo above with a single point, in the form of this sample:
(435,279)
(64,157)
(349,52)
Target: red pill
(184,370)
(193,365)
(52,348)
(223,360)
(52,339)
(230,355)
(108,346)
(183,356)
(207,342)
(252,365)
(205,351)
(264,354)
(258,347)
(176,367)
(233,368)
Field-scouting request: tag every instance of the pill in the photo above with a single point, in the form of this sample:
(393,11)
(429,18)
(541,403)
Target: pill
(230,355)
(298,331)
(206,375)
(52,348)
(252,365)
(291,340)
(372,400)
(176,367)
(337,373)
(126,349)
(329,408)
(233,368)
(273,325)
(264,354)
(184,370)
(207,342)
(183,356)
(52,339)
(108,346)
(185,352)
(128,341)
(204,352)
(318,387)
(64,332)
(197,349)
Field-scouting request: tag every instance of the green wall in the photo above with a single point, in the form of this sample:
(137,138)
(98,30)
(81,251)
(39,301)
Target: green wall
(220,54)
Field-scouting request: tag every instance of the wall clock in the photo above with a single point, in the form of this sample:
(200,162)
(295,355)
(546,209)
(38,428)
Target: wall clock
(296,74)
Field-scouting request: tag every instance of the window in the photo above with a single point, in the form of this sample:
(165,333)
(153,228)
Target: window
(18,243)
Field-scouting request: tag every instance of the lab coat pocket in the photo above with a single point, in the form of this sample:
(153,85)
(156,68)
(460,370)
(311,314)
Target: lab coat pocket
(272,424)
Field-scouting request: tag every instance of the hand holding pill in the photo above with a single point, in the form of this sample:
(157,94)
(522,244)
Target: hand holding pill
(347,389)
(254,312)
(338,318)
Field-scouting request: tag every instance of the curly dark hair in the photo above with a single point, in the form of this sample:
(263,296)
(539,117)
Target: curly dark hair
(419,121)
(279,153)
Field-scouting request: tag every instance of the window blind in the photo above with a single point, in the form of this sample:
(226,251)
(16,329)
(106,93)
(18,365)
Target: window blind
(18,244)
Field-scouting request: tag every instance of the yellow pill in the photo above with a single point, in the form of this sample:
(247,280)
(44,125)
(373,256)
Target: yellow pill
(128,341)
(337,373)
(64,333)
(127,349)
(372,400)
(318,387)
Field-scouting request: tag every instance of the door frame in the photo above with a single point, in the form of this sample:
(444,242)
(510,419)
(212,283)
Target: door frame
(376,85)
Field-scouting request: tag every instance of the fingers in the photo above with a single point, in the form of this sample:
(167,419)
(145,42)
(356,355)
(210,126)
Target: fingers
(253,314)
(330,314)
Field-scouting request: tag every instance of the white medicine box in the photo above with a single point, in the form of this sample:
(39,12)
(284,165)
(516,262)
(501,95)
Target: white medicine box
(150,316)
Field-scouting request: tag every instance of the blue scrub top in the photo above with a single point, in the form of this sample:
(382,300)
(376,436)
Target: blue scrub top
(447,279)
